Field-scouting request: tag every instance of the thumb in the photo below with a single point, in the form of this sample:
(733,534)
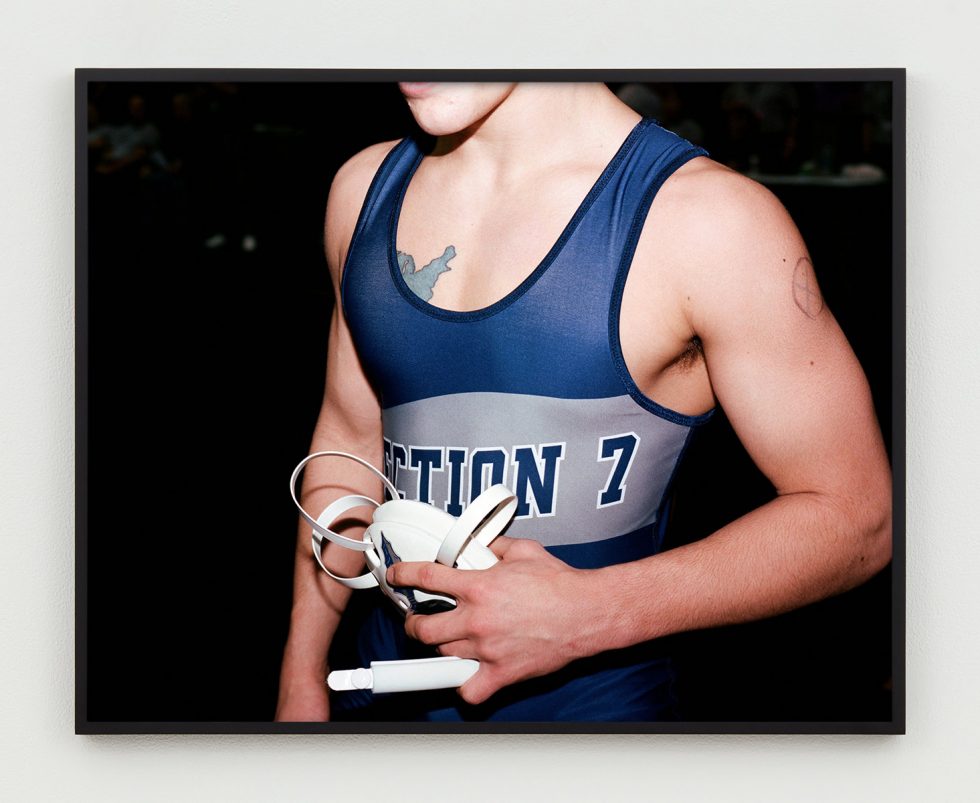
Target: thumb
(479,687)
(501,545)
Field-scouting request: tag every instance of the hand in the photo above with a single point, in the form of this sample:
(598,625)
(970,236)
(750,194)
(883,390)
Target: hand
(528,615)
(303,701)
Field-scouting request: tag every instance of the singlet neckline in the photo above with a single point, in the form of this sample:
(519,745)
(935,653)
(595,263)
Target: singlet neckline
(537,273)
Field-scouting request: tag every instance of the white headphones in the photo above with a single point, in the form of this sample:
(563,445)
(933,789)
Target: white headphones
(403,529)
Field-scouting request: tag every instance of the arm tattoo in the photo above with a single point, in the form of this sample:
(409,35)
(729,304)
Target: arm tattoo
(806,294)
(422,281)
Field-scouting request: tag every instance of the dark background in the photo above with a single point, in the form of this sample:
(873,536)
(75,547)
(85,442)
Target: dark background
(208,310)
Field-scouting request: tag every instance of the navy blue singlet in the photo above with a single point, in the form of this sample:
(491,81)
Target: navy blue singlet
(531,391)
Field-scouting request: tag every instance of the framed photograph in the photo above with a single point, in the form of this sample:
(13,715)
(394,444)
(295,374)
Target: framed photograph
(658,313)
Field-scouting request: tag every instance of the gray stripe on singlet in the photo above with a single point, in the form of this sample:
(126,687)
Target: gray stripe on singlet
(502,420)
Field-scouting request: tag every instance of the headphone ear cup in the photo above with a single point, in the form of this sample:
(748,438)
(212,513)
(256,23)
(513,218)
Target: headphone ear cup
(394,541)
(416,514)
(483,520)
(475,556)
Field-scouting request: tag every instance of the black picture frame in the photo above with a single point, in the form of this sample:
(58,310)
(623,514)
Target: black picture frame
(134,575)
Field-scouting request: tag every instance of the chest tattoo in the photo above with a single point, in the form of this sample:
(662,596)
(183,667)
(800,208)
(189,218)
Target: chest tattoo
(422,281)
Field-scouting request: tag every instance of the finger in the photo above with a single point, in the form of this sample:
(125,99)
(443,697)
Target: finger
(507,548)
(459,649)
(480,687)
(429,577)
(436,628)
(501,544)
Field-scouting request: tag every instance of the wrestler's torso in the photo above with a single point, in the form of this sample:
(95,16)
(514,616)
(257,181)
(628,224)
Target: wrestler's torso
(501,230)
(530,389)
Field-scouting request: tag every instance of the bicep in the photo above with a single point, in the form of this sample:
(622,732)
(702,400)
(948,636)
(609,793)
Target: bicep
(350,408)
(350,411)
(781,367)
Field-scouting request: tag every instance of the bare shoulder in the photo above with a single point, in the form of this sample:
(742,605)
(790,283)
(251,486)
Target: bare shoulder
(715,210)
(347,193)
(722,235)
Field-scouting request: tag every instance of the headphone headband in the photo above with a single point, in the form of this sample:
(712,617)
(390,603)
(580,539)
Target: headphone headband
(323,532)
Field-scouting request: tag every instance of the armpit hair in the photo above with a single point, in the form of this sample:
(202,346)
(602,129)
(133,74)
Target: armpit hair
(691,356)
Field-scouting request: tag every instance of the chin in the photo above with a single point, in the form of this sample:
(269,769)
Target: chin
(440,125)
(443,109)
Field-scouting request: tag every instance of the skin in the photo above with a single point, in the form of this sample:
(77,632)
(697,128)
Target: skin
(739,322)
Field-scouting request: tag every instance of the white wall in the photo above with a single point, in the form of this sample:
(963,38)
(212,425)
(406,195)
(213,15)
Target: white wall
(41,43)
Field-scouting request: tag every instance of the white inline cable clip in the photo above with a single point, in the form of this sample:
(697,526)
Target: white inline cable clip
(420,674)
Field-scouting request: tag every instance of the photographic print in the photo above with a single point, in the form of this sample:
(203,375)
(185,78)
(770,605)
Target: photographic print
(618,357)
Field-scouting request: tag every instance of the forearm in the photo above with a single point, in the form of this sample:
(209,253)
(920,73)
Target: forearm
(795,550)
(318,604)
(319,601)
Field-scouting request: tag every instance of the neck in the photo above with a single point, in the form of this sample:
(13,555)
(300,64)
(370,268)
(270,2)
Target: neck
(540,124)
